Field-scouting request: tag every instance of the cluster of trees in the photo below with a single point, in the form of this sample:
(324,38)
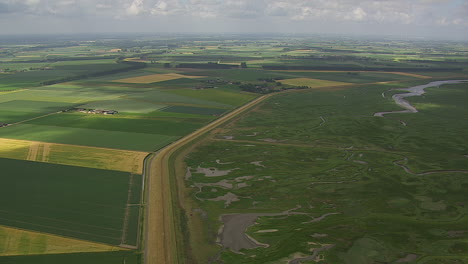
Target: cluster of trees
(264,88)
(256,88)
(270,80)
(209,65)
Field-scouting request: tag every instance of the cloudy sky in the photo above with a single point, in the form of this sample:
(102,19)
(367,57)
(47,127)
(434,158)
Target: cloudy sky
(443,18)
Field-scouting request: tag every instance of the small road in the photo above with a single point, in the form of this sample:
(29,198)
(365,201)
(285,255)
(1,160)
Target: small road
(159,237)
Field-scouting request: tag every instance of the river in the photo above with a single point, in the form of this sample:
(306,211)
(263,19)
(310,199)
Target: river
(414,91)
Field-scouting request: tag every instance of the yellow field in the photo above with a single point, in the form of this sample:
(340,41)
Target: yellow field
(20,242)
(155,78)
(82,156)
(313,83)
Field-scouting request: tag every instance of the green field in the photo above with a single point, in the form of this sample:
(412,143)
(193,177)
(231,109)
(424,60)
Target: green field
(54,71)
(88,137)
(66,200)
(77,258)
(194,110)
(324,153)
(350,77)
(184,97)
(123,105)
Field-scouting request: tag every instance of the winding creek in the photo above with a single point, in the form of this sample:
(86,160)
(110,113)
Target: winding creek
(414,91)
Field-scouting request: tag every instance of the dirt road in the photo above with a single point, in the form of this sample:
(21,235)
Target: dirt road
(160,243)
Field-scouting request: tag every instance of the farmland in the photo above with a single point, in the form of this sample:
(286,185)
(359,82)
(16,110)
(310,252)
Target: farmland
(19,242)
(77,121)
(84,215)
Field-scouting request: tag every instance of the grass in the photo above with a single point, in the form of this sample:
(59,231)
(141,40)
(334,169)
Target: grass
(117,124)
(127,257)
(194,110)
(95,214)
(123,105)
(59,94)
(34,106)
(326,153)
(153,78)
(87,137)
(227,98)
(34,78)
(21,242)
(351,77)
(175,97)
(312,83)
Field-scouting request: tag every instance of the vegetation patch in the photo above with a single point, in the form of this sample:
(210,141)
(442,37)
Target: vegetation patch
(88,137)
(129,257)
(124,105)
(226,98)
(89,157)
(364,184)
(312,83)
(195,110)
(96,214)
(20,242)
(153,78)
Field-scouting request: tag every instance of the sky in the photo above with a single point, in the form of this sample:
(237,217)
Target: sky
(447,19)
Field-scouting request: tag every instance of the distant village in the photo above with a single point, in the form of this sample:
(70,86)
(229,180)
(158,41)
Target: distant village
(96,111)
(4,124)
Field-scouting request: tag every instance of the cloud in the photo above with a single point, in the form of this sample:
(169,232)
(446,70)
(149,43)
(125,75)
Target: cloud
(135,8)
(251,14)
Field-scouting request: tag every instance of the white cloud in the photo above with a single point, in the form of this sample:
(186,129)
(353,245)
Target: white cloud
(328,13)
(135,8)
(359,14)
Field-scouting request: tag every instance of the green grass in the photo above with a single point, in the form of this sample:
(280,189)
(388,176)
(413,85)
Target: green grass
(351,77)
(333,156)
(30,78)
(116,123)
(87,137)
(216,95)
(60,70)
(170,97)
(194,110)
(239,74)
(34,106)
(12,117)
(80,202)
(123,105)
(60,94)
(118,257)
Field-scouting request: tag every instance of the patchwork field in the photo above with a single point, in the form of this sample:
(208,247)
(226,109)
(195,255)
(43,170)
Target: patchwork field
(322,179)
